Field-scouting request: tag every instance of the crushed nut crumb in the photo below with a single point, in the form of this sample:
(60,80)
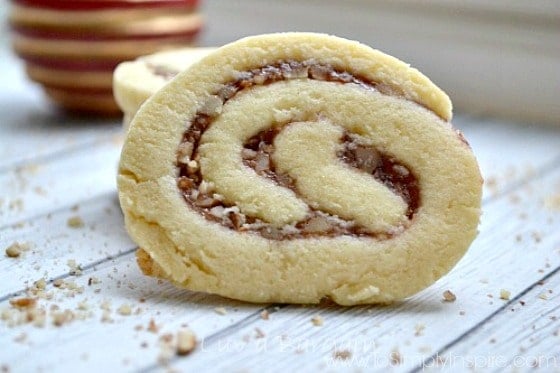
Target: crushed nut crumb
(40,284)
(504,294)
(152,327)
(186,341)
(83,306)
(124,310)
(60,318)
(106,317)
(75,269)
(15,249)
(75,222)
(23,302)
(395,357)
(259,333)
(265,315)
(553,202)
(317,320)
(342,354)
(448,296)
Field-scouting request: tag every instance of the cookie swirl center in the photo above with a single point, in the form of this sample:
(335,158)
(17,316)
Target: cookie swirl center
(394,181)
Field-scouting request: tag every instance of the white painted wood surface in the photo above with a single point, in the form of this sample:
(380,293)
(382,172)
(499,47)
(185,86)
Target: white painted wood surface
(53,168)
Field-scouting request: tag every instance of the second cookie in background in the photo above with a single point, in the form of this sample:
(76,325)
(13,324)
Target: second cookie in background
(135,81)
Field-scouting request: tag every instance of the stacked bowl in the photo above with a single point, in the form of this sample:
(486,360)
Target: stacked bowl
(71,47)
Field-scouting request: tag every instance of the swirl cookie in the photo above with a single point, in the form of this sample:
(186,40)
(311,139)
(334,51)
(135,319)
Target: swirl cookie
(293,167)
(135,81)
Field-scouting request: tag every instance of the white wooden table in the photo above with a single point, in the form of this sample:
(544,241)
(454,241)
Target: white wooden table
(54,168)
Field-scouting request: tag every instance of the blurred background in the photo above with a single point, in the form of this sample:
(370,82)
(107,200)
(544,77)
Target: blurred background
(496,58)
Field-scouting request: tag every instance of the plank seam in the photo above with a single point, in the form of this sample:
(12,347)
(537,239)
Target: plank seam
(84,269)
(429,361)
(49,158)
(58,210)
(215,337)
(540,173)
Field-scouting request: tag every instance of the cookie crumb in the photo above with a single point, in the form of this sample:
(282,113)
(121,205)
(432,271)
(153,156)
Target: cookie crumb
(23,303)
(419,329)
(40,284)
(259,333)
(62,317)
(186,342)
(83,306)
(448,296)
(395,357)
(220,311)
(505,294)
(152,327)
(317,320)
(265,315)
(342,355)
(124,310)
(553,202)
(75,222)
(75,269)
(14,250)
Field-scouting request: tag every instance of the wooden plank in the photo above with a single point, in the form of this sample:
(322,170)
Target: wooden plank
(509,154)
(517,246)
(111,228)
(39,188)
(99,339)
(53,242)
(524,334)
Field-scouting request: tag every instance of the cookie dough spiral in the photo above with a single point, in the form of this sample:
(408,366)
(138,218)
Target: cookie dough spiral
(293,167)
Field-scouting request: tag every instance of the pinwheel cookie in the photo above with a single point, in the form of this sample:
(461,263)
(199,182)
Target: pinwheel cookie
(135,81)
(295,167)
